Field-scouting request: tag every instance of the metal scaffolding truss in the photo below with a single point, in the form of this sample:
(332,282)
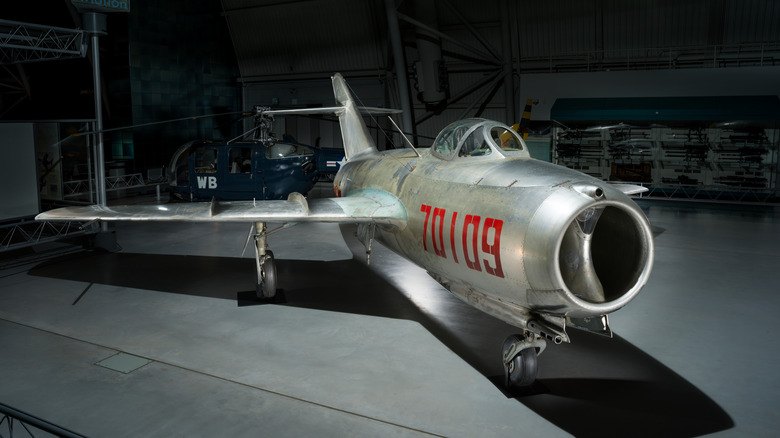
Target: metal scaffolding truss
(26,42)
(30,232)
(710,193)
(82,187)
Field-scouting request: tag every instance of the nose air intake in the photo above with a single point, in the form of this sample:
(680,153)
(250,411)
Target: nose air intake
(603,254)
(576,259)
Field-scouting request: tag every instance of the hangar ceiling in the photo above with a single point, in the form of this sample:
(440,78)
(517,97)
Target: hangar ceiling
(279,38)
(273,37)
(279,41)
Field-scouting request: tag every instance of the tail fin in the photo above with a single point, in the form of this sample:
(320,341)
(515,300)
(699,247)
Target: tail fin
(353,129)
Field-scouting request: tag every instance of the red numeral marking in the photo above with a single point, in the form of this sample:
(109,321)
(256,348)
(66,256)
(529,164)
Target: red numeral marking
(475,255)
(452,236)
(471,230)
(438,214)
(427,210)
(493,248)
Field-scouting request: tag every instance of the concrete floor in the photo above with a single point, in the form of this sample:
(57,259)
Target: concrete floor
(383,351)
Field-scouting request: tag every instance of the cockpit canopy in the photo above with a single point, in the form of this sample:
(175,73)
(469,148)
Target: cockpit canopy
(478,138)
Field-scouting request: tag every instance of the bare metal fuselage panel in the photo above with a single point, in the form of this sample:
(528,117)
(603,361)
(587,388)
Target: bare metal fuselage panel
(506,234)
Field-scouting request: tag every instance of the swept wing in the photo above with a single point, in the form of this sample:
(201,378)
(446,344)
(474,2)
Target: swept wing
(369,206)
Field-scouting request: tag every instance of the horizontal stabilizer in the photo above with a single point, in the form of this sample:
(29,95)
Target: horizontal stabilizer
(331,110)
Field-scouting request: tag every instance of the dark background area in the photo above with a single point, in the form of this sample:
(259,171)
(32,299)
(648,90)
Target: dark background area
(160,62)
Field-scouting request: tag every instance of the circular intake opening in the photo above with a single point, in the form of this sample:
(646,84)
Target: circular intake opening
(603,254)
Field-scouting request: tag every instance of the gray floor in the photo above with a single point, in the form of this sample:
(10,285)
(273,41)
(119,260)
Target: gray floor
(383,350)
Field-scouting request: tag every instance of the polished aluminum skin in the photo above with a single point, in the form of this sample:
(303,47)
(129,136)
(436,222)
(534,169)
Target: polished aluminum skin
(518,238)
(537,245)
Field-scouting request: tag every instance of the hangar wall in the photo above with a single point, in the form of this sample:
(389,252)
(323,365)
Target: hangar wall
(179,67)
(744,81)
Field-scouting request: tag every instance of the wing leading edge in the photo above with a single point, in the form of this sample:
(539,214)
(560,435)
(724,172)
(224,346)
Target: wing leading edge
(368,206)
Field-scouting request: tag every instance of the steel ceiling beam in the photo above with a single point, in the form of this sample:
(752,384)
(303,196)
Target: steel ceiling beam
(474,51)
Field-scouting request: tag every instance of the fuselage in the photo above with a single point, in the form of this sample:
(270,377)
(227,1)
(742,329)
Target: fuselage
(502,232)
(205,170)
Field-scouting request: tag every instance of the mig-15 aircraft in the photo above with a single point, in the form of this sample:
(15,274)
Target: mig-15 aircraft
(537,245)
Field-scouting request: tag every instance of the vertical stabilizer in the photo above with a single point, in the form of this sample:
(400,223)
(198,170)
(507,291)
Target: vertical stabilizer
(353,129)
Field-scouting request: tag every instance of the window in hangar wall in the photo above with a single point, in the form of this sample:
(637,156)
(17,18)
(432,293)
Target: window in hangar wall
(17,168)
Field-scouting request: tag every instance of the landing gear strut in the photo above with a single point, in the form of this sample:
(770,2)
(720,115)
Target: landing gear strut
(266,265)
(520,359)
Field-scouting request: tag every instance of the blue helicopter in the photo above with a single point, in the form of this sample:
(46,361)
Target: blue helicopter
(260,168)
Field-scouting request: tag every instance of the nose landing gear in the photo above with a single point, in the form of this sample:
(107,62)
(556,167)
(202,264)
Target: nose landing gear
(520,353)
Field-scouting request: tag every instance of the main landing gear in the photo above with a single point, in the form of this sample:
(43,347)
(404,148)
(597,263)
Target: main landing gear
(520,359)
(266,265)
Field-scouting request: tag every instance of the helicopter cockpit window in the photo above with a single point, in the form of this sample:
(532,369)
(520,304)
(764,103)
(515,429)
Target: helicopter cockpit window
(280,150)
(240,159)
(286,150)
(205,157)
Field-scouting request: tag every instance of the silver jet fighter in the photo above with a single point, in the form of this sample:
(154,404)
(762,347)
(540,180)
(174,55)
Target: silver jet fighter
(537,245)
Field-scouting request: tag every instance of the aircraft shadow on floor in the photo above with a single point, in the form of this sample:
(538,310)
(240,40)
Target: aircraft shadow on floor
(594,386)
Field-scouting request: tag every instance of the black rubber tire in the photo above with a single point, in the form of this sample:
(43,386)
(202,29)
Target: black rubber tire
(267,286)
(523,368)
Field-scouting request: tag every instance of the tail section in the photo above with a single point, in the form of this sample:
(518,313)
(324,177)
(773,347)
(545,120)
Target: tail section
(353,129)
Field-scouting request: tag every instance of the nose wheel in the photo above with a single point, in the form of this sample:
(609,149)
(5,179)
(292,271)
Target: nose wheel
(521,364)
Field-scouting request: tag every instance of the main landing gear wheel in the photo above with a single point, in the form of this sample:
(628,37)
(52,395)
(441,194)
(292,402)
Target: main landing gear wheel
(266,276)
(266,265)
(520,362)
